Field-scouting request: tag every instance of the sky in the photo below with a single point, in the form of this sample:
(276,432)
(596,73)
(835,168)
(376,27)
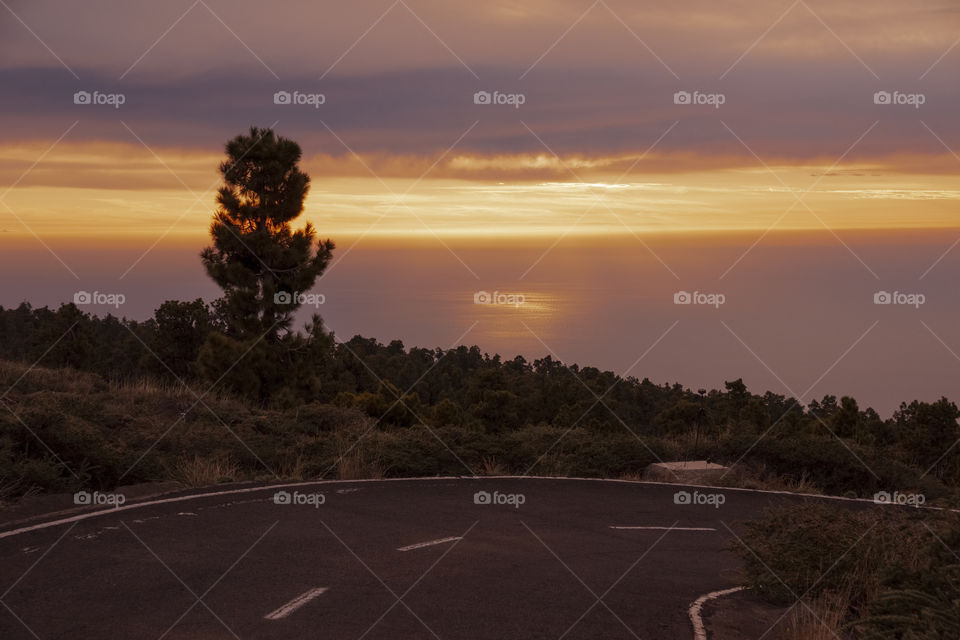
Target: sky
(698,143)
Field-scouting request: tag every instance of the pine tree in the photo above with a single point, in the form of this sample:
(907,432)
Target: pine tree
(259,261)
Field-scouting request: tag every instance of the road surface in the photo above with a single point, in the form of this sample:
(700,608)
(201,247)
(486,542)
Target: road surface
(437,558)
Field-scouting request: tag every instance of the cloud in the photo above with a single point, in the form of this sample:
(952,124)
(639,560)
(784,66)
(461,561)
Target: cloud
(303,38)
(591,114)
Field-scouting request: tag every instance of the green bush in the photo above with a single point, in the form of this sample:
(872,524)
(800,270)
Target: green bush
(891,569)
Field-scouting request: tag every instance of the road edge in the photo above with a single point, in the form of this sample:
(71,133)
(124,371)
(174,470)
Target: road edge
(201,493)
(696,608)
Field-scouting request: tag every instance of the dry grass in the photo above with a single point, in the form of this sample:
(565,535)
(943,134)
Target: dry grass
(63,380)
(762,478)
(148,386)
(358,456)
(204,472)
(490,467)
(147,389)
(822,619)
(295,470)
(356,465)
(802,624)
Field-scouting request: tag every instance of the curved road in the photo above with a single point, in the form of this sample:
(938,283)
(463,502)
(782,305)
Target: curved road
(523,558)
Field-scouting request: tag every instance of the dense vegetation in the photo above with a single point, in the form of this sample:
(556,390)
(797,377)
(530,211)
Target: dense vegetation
(230,390)
(300,403)
(887,573)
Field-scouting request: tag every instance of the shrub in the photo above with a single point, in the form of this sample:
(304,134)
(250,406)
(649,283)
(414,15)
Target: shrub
(887,572)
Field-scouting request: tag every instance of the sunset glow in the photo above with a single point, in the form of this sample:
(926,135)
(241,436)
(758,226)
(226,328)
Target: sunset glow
(557,149)
(121,191)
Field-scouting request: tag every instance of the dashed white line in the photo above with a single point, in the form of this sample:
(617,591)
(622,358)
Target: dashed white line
(444,479)
(665,528)
(699,631)
(421,545)
(294,604)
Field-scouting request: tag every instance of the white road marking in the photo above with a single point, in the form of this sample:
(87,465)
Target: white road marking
(294,604)
(421,545)
(150,503)
(666,528)
(699,631)
(311,483)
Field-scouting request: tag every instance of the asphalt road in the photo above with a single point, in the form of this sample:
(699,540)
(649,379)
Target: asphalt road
(385,559)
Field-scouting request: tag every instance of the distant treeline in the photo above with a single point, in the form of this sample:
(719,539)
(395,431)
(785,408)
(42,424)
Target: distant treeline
(831,442)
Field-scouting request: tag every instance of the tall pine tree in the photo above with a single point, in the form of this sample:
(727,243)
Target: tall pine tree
(258,260)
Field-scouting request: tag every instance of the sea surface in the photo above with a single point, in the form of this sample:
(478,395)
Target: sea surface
(789,312)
